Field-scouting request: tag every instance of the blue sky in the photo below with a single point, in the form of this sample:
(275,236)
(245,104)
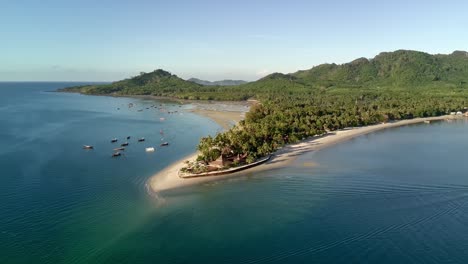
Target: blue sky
(51,40)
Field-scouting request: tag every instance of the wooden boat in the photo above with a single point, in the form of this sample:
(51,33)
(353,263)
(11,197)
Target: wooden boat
(150,149)
(164,144)
(117,149)
(124,144)
(88,147)
(141,139)
(116,154)
(114,140)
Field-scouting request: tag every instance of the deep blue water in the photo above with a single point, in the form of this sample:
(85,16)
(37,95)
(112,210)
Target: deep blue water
(395,196)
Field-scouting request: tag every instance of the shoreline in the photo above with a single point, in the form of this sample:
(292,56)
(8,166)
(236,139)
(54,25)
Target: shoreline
(168,179)
(225,119)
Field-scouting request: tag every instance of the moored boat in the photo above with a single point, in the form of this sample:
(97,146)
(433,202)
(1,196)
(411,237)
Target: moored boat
(116,154)
(164,144)
(141,139)
(88,147)
(114,140)
(128,137)
(117,149)
(150,149)
(124,144)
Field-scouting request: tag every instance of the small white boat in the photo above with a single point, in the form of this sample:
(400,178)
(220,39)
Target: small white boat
(150,149)
(88,147)
(427,121)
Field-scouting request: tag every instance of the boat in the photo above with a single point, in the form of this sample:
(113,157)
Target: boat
(124,144)
(113,140)
(116,154)
(116,149)
(128,137)
(150,149)
(427,121)
(88,147)
(164,144)
(141,139)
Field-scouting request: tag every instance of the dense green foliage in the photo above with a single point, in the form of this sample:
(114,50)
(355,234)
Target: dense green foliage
(393,85)
(291,118)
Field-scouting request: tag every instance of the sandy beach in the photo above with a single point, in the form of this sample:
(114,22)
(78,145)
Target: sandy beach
(226,119)
(168,179)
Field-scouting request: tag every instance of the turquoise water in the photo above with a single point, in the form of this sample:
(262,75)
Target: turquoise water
(395,196)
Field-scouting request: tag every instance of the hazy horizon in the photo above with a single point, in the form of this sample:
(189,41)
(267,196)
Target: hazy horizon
(113,40)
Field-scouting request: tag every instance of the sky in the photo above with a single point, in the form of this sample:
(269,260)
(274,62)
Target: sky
(109,40)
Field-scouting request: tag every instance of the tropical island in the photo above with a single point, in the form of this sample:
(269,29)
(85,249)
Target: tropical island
(312,103)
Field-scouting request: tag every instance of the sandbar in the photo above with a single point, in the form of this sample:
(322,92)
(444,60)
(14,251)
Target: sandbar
(168,179)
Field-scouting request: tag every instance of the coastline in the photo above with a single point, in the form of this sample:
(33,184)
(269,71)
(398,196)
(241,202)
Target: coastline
(168,179)
(226,119)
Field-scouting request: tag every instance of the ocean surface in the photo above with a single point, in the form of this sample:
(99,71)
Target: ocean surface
(394,196)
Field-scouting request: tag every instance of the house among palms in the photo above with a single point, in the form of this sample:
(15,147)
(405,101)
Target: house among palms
(227,158)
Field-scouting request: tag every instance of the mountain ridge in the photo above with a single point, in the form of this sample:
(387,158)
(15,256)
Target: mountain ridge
(225,82)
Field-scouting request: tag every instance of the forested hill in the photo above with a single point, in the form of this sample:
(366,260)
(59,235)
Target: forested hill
(402,69)
(157,82)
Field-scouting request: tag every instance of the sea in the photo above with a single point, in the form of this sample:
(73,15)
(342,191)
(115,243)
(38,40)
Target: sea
(394,196)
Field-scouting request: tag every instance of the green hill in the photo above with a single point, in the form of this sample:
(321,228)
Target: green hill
(158,82)
(401,69)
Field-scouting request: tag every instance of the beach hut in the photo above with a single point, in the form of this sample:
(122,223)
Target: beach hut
(221,161)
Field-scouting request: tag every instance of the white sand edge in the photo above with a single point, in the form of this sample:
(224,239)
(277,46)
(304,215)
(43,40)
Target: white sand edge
(168,178)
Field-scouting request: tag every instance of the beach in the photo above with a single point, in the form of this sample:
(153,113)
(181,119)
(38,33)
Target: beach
(226,119)
(168,179)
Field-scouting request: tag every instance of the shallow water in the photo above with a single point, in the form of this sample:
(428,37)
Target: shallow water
(395,196)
